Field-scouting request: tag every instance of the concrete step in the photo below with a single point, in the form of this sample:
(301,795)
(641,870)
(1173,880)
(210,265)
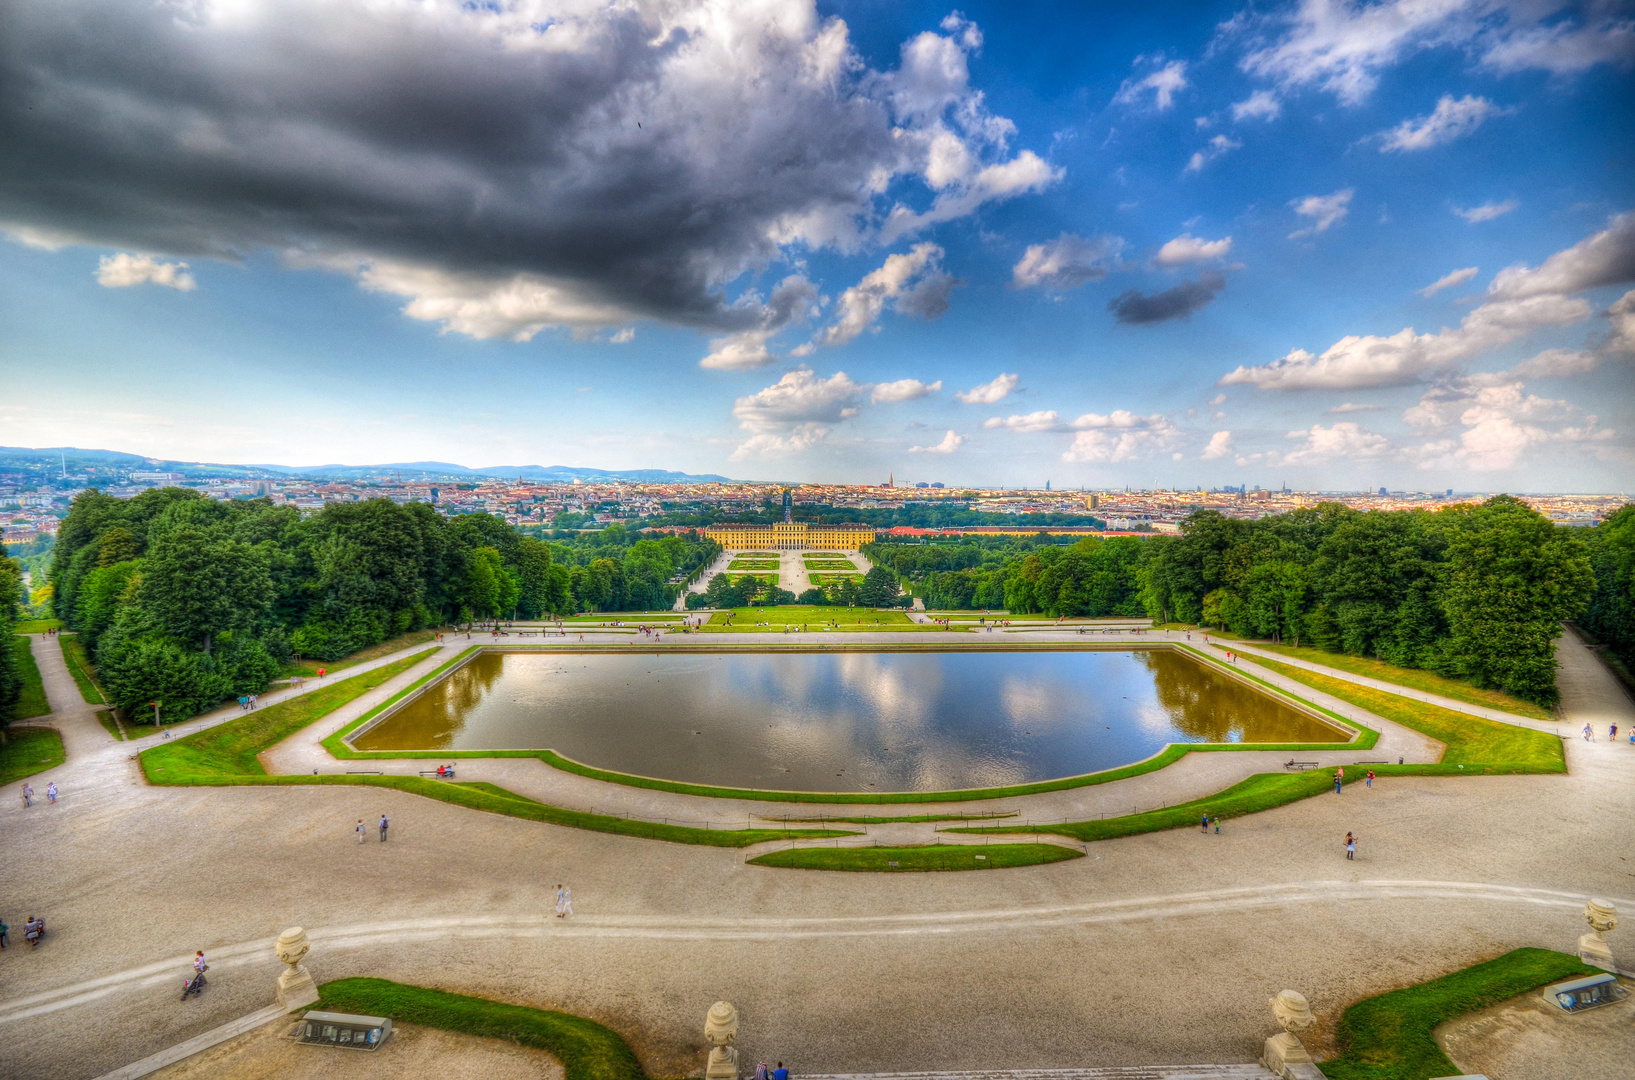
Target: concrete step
(1117,1072)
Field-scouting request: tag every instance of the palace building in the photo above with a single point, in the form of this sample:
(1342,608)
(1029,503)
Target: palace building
(790,536)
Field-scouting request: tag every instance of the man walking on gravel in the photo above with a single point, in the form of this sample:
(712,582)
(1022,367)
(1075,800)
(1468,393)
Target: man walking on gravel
(384,822)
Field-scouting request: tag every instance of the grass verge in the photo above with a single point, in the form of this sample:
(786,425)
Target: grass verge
(33,701)
(1469,739)
(1414,679)
(905,819)
(1389,1037)
(918,859)
(373,652)
(587,1050)
(227,755)
(28,750)
(81,668)
(37,626)
(106,718)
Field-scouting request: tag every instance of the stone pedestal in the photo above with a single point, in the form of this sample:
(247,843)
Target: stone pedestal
(720,1030)
(1282,1051)
(1284,1054)
(296,990)
(1592,947)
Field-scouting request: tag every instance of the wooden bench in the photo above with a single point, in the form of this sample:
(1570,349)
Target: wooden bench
(1298,766)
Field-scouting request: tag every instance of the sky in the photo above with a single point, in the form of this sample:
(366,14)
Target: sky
(1325,244)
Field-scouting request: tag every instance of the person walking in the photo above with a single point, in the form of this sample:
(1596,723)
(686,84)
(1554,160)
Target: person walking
(560,903)
(5,934)
(1368,781)
(384,822)
(362,831)
(1612,733)
(1589,733)
(1339,778)
(1350,846)
(28,795)
(51,793)
(567,902)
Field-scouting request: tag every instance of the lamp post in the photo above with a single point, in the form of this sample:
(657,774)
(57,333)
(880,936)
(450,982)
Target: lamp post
(155,705)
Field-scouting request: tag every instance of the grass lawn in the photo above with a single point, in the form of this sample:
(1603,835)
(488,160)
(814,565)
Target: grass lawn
(830,564)
(1413,679)
(33,702)
(814,617)
(908,818)
(28,750)
(587,1050)
(373,652)
(754,564)
(1389,1037)
(825,580)
(928,857)
(758,555)
(105,717)
(81,668)
(37,626)
(1469,739)
(228,755)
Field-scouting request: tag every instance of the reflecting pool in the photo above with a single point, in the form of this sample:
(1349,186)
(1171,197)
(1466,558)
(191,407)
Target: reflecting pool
(842,721)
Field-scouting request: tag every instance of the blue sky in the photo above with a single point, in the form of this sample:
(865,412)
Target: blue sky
(1193,244)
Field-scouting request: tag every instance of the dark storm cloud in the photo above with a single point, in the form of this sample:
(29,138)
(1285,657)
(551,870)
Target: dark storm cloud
(1187,297)
(626,162)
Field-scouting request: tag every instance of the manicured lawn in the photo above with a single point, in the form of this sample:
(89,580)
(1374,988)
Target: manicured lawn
(37,626)
(1413,679)
(753,564)
(1469,739)
(830,564)
(33,702)
(825,580)
(28,750)
(1389,1037)
(81,668)
(758,555)
(928,857)
(587,1050)
(373,652)
(227,755)
(902,819)
(812,617)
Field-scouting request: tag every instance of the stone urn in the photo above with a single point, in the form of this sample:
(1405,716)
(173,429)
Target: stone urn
(296,989)
(720,1030)
(1285,1055)
(1592,947)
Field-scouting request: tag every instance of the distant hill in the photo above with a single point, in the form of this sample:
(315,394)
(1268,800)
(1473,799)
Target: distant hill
(75,458)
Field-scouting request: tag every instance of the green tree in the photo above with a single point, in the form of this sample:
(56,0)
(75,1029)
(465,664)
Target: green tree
(195,587)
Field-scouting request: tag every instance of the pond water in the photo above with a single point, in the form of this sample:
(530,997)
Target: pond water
(842,721)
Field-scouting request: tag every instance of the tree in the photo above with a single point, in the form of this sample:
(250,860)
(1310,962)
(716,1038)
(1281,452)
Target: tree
(11,675)
(195,588)
(533,570)
(879,588)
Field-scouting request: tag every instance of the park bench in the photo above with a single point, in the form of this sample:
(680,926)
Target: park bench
(433,772)
(1298,766)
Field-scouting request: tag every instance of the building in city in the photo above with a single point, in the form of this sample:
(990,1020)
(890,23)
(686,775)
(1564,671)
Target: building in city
(790,536)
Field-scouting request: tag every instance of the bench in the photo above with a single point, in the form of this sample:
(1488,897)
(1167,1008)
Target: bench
(1299,765)
(433,772)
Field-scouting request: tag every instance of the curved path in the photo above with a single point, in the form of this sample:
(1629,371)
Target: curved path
(1104,960)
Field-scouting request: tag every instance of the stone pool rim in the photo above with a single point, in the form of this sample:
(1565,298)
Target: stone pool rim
(340,746)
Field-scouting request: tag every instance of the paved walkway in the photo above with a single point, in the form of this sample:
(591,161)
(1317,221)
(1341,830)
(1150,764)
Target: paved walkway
(1105,960)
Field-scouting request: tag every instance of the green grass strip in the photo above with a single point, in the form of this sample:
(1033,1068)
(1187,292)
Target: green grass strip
(33,701)
(28,750)
(1469,739)
(915,819)
(81,668)
(587,1050)
(227,756)
(918,859)
(37,626)
(105,717)
(1389,1037)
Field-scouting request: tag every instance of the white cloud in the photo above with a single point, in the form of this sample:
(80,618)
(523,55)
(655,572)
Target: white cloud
(914,284)
(1342,46)
(1260,105)
(793,301)
(1501,423)
(950,442)
(795,412)
(624,336)
(1218,399)
(1448,281)
(1121,436)
(1219,146)
(1475,215)
(1066,262)
(1351,407)
(1520,301)
(1557,364)
(1043,420)
(1345,440)
(1164,83)
(903,390)
(1451,119)
(990,393)
(123,270)
(1621,326)
(1324,210)
(1187,248)
(1220,444)
(480,306)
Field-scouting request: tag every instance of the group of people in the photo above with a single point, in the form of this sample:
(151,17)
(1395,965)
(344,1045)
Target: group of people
(1612,734)
(249,701)
(363,830)
(28,793)
(33,931)
(763,1072)
(564,901)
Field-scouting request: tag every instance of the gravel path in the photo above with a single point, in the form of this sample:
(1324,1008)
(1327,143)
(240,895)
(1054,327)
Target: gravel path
(1106,960)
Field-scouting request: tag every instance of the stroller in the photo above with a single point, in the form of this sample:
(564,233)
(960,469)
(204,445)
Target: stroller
(196,984)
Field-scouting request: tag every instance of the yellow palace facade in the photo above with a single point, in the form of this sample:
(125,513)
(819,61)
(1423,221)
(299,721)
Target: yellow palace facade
(790,536)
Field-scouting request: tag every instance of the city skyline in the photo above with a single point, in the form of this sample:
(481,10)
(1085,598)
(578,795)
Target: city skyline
(1332,246)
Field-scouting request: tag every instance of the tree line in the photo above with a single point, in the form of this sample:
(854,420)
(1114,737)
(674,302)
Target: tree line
(190,601)
(1473,591)
(878,589)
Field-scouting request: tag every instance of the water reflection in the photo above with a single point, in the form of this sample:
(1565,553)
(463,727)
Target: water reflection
(842,721)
